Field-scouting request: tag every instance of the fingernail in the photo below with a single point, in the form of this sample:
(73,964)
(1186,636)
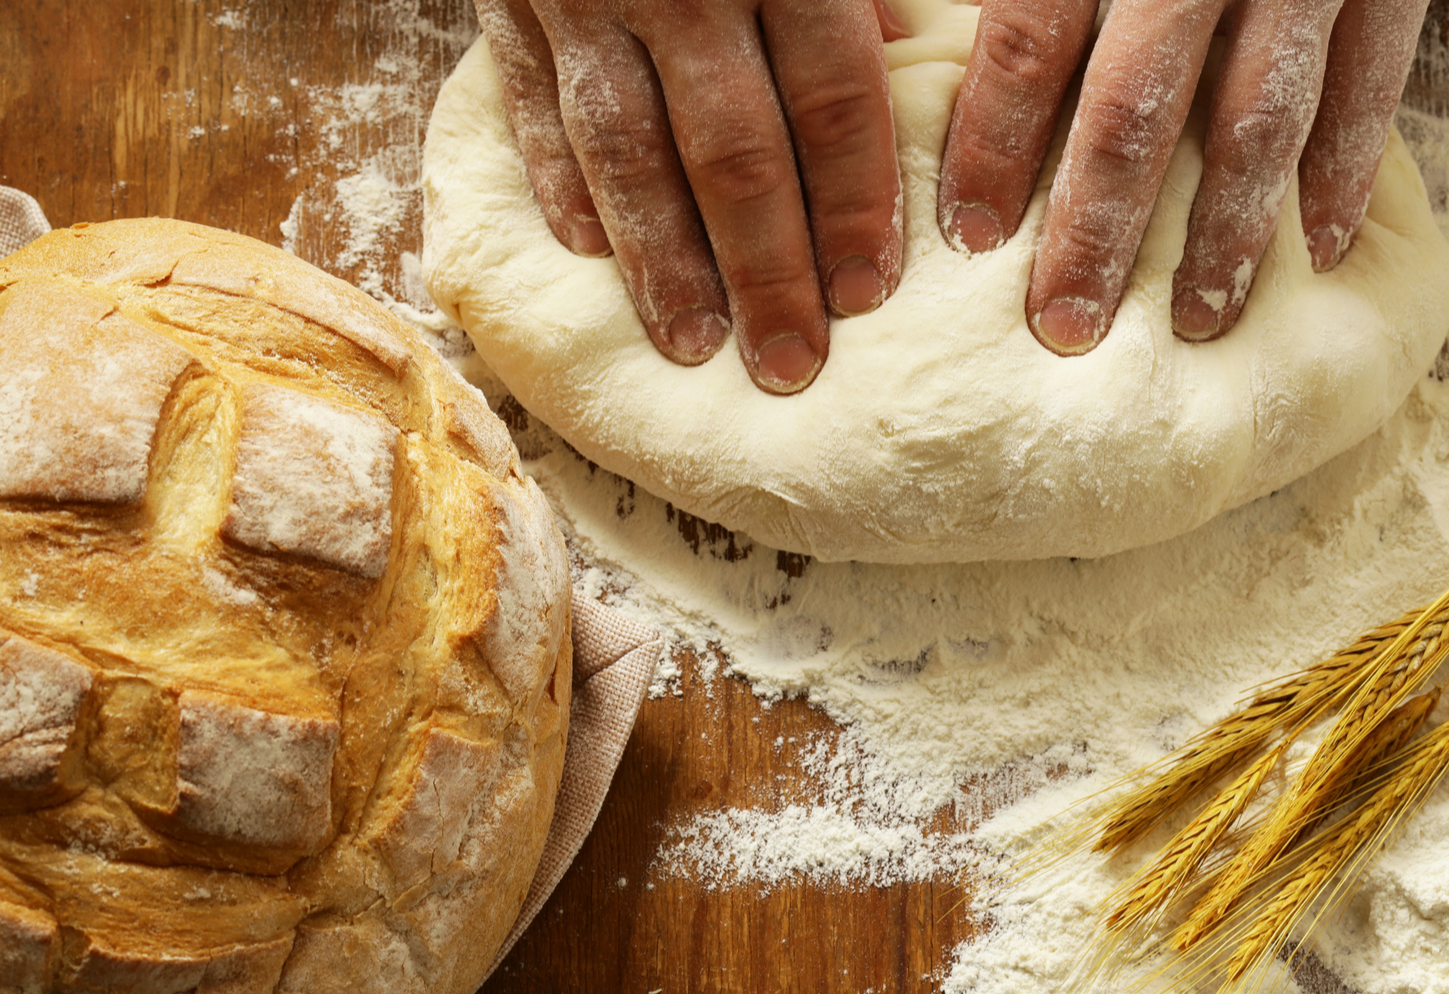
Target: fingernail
(1196,315)
(1070,325)
(587,237)
(696,333)
(975,228)
(855,287)
(1326,246)
(786,363)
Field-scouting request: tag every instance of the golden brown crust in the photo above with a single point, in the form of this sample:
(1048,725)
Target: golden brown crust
(290,627)
(73,365)
(42,692)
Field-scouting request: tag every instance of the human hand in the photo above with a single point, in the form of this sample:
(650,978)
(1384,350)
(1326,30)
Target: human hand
(1305,84)
(737,156)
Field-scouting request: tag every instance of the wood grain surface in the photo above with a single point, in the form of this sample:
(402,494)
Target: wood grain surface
(244,114)
(300,122)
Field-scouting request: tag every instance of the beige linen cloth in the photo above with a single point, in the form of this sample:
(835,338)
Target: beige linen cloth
(21,220)
(614,660)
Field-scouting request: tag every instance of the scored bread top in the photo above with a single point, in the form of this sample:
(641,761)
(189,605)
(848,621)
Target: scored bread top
(284,654)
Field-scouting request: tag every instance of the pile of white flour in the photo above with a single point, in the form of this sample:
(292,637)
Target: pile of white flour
(997,672)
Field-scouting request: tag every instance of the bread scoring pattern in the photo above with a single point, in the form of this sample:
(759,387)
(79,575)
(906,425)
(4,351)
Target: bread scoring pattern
(80,394)
(252,777)
(41,693)
(314,478)
(284,655)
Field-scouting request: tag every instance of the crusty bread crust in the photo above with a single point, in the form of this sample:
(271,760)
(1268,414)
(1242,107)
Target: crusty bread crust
(284,653)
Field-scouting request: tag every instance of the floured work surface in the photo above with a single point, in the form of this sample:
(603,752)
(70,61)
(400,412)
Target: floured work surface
(630,913)
(979,701)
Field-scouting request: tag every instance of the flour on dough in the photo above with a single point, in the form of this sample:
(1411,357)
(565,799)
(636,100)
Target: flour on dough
(939,430)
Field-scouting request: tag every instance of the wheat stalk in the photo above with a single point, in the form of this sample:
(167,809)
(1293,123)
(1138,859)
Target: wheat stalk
(1294,703)
(1395,672)
(1348,842)
(1209,756)
(1152,887)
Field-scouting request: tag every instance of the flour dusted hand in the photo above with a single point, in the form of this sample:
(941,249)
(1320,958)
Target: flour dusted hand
(738,158)
(1305,85)
(941,430)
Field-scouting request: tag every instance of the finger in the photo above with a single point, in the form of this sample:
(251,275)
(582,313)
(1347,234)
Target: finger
(736,150)
(1262,110)
(892,28)
(1135,97)
(617,124)
(1025,54)
(530,93)
(830,69)
(1369,57)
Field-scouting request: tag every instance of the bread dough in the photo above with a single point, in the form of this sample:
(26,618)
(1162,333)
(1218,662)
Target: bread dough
(939,430)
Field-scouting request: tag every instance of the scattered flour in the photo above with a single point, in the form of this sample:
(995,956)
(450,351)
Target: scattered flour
(373,203)
(365,150)
(1083,670)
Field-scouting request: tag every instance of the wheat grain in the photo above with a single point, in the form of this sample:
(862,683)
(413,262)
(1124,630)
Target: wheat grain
(1387,678)
(1293,702)
(1394,681)
(1152,887)
(1347,842)
(1309,802)
(1360,764)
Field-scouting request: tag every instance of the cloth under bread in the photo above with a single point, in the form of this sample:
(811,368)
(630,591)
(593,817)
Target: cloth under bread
(614,660)
(21,220)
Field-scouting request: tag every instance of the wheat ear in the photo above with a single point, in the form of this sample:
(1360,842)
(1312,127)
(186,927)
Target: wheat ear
(1394,673)
(1403,665)
(1347,842)
(1369,758)
(1152,887)
(1392,682)
(1294,702)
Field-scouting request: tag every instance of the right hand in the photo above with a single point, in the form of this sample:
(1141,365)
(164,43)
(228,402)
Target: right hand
(736,156)
(1306,88)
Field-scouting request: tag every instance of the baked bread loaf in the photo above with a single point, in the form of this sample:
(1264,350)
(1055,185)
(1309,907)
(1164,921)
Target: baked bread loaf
(284,651)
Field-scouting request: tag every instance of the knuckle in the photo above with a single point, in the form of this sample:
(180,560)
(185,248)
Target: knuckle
(1258,126)
(841,118)
(772,277)
(1126,123)
(1253,142)
(1086,239)
(621,149)
(739,167)
(995,154)
(840,218)
(623,154)
(1020,44)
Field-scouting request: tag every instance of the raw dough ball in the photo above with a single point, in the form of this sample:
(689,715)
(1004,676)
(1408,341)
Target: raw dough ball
(939,430)
(284,647)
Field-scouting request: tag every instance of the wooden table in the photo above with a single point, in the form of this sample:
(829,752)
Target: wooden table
(246,116)
(242,114)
